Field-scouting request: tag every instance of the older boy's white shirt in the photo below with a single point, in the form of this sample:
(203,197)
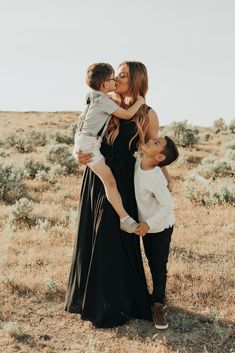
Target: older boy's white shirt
(154,200)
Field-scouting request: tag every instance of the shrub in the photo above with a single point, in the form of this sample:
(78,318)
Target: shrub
(38,138)
(181,160)
(181,133)
(60,154)
(3,152)
(15,330)
(42,175)
(63,138)
(26,142)
(22,143)
(68,137)
(2,140)
(32,167)
(212,167)
(232,125)
(224,194)
(230,155)
(230,145)
(21,214)
(43,224)
(204,194)
(58,169)
(73,218)
(12,187)
(219,125)
(51,288)
(205,136)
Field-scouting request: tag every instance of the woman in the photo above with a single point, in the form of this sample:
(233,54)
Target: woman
(107,283)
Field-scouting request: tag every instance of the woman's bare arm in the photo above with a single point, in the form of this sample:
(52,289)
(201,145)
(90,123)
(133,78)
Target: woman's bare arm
(153,124)
(152,133)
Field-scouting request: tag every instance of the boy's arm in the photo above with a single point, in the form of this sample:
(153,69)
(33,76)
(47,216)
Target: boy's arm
(142,229)
(168,178)
(127,114)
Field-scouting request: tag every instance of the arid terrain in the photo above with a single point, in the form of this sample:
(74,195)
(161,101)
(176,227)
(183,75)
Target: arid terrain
(37,234)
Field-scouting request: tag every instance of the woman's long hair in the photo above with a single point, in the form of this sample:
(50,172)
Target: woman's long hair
(138,84)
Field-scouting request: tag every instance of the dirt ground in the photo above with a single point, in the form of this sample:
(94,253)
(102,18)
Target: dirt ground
(200,286)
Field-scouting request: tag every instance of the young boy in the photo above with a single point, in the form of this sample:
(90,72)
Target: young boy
(92,126)
(155,208)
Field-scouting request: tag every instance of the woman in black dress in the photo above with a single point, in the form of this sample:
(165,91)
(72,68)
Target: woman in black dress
(107,283)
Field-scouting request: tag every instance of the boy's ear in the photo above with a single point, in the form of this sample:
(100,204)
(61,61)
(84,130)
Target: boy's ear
(160,157)
(104,84)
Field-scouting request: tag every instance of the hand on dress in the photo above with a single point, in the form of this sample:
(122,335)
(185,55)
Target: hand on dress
(84,157)
(142,229)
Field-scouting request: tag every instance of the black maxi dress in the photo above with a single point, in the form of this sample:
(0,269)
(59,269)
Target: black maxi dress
(107,283)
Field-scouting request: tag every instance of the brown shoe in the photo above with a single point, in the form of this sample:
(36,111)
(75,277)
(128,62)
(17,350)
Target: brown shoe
(159,319)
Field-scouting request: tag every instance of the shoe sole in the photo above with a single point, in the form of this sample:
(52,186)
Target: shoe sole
(161,327)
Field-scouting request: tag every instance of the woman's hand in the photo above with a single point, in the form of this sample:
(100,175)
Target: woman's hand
(84,157)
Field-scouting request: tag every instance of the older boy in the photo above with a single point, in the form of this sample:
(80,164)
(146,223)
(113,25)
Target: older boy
(155,207)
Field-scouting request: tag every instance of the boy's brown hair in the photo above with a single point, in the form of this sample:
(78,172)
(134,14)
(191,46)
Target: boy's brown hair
(97,74)
(170,152)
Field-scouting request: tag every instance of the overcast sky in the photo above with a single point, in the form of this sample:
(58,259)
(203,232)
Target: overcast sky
(188,47)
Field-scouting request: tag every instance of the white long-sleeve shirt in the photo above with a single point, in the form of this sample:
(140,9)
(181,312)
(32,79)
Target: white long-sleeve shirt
(154,200)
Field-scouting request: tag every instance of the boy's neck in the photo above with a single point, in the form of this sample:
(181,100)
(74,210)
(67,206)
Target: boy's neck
(148,163)
(103,90)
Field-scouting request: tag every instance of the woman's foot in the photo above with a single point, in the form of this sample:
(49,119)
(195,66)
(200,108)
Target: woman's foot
(128,224)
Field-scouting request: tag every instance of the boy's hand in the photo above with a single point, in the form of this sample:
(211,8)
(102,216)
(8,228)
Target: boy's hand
(142,229)
(170,185)
(141,99)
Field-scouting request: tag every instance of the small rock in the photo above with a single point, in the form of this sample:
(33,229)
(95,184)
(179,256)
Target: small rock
(45,337)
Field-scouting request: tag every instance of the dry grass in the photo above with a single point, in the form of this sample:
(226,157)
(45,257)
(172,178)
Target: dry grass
(35,264)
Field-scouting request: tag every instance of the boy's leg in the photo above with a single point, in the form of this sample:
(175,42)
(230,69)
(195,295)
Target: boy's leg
(113,196)
(156,246)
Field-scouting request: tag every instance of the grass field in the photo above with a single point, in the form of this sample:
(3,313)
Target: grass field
(35,261)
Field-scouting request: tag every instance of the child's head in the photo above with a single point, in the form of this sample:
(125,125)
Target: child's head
(99,74)
(161,149)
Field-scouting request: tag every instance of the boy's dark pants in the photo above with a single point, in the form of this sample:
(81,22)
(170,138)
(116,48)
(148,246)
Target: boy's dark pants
(156,246)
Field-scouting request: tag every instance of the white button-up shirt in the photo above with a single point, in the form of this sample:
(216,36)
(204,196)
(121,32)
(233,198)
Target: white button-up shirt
(154,200)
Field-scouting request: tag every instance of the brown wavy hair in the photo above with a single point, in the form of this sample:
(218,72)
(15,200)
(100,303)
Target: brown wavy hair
(138,84)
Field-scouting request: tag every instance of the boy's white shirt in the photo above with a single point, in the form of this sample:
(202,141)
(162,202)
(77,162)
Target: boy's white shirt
(100,110)
(97,114)
(154,200)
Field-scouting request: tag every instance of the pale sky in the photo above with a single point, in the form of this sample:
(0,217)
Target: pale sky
(188,47)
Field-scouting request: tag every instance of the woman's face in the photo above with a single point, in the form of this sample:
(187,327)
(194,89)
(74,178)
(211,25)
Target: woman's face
(122,84)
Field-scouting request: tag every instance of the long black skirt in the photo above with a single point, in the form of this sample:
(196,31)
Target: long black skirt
(107,283)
